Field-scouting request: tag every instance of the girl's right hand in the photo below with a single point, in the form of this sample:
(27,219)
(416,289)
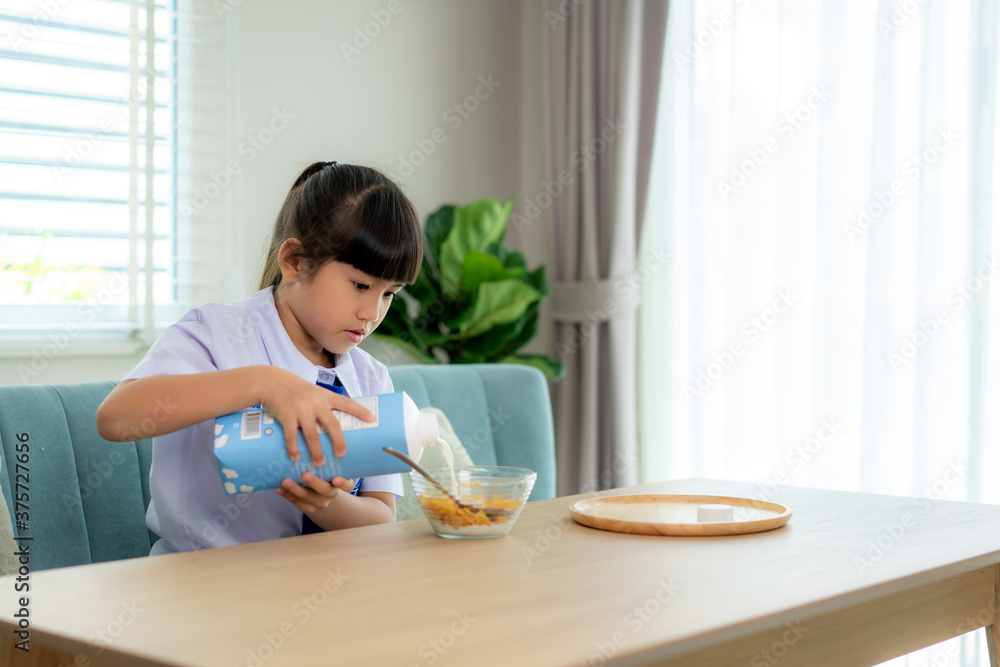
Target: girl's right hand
(298,404)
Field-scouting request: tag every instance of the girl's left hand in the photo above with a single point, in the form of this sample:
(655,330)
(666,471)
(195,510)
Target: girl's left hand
(316,494)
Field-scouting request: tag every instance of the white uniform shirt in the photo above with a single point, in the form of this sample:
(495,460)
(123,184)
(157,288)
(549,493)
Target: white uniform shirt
(189,508)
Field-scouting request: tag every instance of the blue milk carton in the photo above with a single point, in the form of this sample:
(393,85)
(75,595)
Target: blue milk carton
(250,444)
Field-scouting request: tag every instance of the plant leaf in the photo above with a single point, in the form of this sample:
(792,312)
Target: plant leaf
(436,229)
(440,340)
(408,348)
(510,258)
(474,300)
(478,268)
(393,321)
(470,357)
(526,334)
(505,339)
(474,228)
(398,325)
(537,280)
(551,367)
(425,289)
(494,343)
(515,259)
(498,303)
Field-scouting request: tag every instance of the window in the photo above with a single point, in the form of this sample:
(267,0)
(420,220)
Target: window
(825,186)
(96,102)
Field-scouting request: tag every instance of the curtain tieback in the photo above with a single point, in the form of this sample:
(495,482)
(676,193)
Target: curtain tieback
(594,300)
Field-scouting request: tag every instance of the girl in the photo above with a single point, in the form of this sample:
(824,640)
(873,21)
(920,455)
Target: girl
(345,242)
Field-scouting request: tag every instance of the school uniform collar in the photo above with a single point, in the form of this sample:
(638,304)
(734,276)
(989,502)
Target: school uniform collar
(278,345)
(348,374)
(281,351)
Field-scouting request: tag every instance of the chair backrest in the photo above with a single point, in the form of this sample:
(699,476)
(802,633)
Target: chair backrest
(86,497)
(501,413)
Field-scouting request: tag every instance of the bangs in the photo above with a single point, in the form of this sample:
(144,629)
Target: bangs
(387,241)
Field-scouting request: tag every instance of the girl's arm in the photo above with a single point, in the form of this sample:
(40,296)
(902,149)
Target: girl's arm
(161,404)
(331,505)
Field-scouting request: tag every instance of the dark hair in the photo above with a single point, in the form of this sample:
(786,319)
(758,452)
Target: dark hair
(352,214)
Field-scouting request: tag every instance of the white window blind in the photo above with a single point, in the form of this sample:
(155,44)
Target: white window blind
(97,155)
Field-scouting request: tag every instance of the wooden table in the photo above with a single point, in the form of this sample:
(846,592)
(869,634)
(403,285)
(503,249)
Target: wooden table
(853,579)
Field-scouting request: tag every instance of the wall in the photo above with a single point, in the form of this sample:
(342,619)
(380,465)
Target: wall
(386,98)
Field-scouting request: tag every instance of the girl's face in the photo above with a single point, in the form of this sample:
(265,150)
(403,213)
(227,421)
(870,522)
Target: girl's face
(334,309)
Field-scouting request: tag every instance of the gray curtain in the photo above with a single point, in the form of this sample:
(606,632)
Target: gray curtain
(603,62)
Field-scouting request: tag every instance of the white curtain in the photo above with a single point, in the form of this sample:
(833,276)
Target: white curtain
(829,315)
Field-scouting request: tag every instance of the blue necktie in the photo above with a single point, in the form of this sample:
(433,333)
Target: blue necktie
(338,388)
(308,525)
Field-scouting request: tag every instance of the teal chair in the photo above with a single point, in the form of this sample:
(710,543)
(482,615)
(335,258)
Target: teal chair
(87,497)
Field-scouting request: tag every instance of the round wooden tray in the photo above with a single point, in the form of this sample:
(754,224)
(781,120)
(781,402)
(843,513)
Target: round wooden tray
(659,514)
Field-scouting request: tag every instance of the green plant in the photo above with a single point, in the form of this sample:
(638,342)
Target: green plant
(36,281)
(475,300)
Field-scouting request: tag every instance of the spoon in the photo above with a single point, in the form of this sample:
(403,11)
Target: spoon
(490,513)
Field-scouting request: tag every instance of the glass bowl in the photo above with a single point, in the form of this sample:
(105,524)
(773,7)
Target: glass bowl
(500,490)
